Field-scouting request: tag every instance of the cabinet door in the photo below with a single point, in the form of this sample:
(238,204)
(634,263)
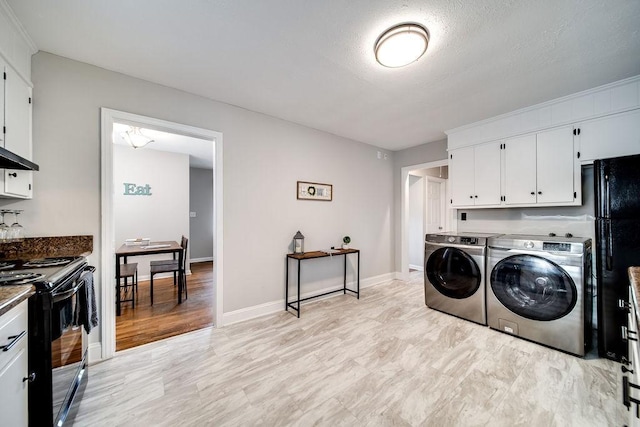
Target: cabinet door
(520,170)
(17,183)
(555,165)
(2,90)
(461,176)
(487,174)
(13,391)
(17,115)
(611,136)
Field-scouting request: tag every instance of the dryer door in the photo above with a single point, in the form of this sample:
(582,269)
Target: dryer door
(453,273)
(533,287)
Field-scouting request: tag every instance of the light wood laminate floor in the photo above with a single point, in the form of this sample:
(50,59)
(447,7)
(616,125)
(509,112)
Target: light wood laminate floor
(385,359)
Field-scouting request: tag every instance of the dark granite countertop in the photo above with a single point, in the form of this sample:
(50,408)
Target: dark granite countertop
(43,247)
(11,296)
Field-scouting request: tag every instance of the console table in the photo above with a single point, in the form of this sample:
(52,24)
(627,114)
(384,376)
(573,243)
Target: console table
(314,255)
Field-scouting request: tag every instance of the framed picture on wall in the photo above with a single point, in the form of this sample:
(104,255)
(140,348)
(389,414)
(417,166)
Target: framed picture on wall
(314,191)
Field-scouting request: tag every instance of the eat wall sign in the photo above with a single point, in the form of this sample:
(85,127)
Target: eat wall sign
(131,189)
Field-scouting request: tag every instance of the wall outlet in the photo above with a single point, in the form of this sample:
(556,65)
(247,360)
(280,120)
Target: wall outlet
(379,155)
(192,214)
(463,216)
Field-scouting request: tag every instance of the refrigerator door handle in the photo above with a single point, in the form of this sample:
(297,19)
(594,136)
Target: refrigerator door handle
(607,199)
(608,246)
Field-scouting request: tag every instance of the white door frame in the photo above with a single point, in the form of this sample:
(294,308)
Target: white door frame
(443,197)
(107,119)
(404,212)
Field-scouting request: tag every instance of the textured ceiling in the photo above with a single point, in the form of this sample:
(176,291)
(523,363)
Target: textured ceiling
(311,62)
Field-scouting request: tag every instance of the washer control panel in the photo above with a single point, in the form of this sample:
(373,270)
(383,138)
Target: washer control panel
(556,247)
(469,240)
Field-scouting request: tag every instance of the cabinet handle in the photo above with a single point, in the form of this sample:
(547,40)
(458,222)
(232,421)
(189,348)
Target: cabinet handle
(31,378)
(623,305)
(533,193)
(539,192)
(15,175)
(15,339)
(476,196)
(471,197)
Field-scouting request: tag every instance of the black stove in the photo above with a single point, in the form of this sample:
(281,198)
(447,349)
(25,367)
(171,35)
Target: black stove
(57,348)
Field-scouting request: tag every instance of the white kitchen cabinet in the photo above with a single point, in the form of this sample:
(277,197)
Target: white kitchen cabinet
(14,367)
(520,170)
(474,173)
(610,136)
(17,134)
(555,171)
(541,169)
(3,70)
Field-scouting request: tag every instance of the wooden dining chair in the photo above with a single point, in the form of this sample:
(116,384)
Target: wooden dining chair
(171,266)
(129,271)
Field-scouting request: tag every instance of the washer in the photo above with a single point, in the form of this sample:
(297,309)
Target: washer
(454,274)
(540,289)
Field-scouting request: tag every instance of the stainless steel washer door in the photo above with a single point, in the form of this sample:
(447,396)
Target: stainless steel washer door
(533,287)
(453,273)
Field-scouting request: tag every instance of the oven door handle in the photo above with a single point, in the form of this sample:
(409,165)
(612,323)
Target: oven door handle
(57,297)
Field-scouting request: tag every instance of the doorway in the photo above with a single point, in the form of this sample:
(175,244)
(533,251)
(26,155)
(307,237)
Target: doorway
(112,237)
(423,210)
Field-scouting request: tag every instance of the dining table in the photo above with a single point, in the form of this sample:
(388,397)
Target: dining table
(152,248)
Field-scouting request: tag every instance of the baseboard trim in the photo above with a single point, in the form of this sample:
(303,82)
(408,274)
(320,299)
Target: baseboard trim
(272,307)
(416,267)
(94,352)
(205,259)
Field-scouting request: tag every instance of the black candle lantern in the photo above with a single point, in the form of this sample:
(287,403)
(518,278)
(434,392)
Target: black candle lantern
(298,243)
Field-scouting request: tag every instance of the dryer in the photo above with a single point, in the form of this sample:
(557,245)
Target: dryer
(454,274)
(540,289)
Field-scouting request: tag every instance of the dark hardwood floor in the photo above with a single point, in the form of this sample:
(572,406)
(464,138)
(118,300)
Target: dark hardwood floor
(167,318)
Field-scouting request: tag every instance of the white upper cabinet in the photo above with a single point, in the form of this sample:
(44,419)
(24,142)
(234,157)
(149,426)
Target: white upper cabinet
(610,136)
(3,68)
(541,169)
(555,172)
(487,174)
(538,169)
(461,176)
(474,173)
(520,170)
(17,134)
(17,115)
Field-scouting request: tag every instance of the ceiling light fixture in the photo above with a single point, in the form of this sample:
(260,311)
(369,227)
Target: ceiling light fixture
(401,45)
(135,138)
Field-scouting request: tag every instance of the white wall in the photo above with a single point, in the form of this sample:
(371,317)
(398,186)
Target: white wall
(263,159)
(164,215)
(201,202)
(416,221)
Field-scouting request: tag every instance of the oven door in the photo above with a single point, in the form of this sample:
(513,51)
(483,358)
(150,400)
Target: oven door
(68,352)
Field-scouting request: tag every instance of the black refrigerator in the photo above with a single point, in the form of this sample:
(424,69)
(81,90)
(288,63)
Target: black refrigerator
(617,211)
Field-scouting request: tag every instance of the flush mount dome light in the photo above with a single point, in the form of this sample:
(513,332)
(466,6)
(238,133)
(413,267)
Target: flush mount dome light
(401,45)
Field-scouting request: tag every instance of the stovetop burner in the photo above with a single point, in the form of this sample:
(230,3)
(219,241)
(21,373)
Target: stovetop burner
(18,277)
(7,265)
(46,262)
